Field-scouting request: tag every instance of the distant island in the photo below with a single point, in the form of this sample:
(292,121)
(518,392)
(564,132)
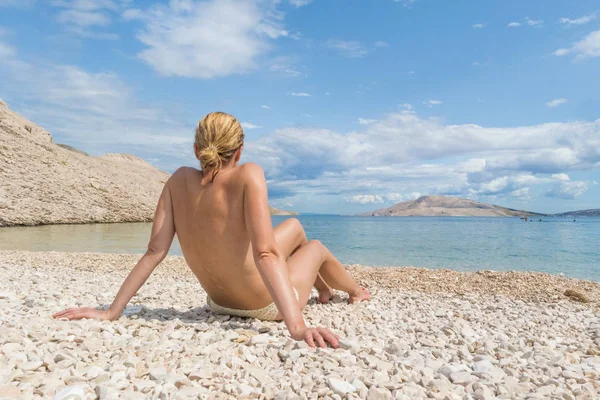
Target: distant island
(42,182)
(581,213)
(448,206)
(275,211)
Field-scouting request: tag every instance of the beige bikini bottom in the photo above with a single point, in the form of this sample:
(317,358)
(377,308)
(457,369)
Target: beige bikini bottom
(268,313)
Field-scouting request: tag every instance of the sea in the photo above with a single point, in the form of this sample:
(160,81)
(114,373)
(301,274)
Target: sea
(568,246)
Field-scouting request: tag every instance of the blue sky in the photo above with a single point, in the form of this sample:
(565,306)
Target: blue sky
(348,105)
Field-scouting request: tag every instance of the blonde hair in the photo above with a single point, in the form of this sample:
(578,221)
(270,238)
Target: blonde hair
(218,136)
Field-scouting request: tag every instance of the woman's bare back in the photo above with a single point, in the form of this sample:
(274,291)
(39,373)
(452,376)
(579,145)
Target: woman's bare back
(211,228)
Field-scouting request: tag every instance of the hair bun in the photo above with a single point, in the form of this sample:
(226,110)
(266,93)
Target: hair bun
(218,137)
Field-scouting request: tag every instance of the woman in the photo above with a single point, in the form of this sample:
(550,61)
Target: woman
(222,220)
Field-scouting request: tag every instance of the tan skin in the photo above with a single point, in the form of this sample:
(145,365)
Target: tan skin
(225,231)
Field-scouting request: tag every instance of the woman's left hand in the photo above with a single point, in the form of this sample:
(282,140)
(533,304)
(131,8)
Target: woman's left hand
(85,312)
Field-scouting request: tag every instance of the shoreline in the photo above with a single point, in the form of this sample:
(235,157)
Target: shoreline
(425,334)
(524,285)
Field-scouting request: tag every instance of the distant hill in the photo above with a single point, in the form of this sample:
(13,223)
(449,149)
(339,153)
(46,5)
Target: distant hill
(580,213)
(42,182)
(275,211)
(439,206)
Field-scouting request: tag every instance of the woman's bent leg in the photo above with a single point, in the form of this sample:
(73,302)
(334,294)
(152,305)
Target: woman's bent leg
(290,236)
(312,259)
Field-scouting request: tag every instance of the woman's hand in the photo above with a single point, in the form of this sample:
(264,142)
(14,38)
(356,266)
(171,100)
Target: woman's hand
(85,312)
(317,337)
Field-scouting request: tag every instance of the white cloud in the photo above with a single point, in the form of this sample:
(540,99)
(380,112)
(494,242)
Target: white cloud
(556,102)
(533,22)
(514,24)
(404,153)
(364,121)
(406,3)
(560,177)
(300,3)
(411,72)
(568,190)
(366,199)
(248,125)
(578,21)
(394,197)
(522,193)
(284,65)
(80,16)
(208,39)
(299,94)
(478,26)
(6,51)
(348,48)
(561,52)
(588,47)
(83,18)
(381,43)
(431,103)
(406,106)
(265,107)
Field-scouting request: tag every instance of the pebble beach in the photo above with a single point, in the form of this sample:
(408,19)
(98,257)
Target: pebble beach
(425,334)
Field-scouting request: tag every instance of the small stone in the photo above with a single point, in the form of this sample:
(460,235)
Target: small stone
(158,374)
(461,378)
(106,393)
(340,386)
(376,393)
(144,386)
(260,339)
(204,373)
(348,344)
(70,393)
(569,374)
(192,391)
(483,366)
(31,366)
(10,391)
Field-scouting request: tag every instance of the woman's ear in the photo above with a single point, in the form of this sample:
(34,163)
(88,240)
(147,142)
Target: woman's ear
(238,154)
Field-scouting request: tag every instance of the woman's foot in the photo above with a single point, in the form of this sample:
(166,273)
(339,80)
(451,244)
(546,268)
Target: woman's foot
(325,295)
(359,295)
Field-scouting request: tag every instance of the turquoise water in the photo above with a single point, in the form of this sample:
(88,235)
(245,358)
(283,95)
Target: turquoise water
(554,245)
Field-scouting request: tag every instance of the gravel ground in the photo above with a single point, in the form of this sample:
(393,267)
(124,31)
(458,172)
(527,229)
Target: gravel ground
(426,334)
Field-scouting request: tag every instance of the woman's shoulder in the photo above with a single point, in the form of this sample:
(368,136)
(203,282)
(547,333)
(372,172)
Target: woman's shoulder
(182,173)
(250,172)
(251,168)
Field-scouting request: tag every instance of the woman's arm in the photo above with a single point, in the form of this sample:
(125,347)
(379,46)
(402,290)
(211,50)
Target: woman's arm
(163,231)
(270,262)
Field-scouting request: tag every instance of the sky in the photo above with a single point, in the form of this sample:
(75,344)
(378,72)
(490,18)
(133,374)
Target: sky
(348,105)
